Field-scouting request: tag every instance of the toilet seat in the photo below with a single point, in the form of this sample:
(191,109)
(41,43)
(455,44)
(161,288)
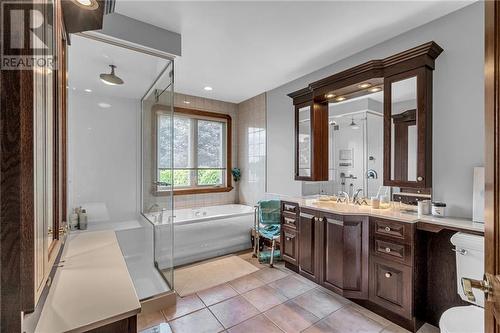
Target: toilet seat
(462,319)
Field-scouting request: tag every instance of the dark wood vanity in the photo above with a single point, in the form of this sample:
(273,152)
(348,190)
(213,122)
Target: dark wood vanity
(400,270)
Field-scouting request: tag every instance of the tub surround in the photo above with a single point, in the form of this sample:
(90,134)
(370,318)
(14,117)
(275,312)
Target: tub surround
(91,289)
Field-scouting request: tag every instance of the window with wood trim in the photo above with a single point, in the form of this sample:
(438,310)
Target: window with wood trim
(201,151)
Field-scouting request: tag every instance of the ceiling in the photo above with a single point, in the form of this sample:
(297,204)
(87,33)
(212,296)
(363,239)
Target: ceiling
(88,58)
(242,49)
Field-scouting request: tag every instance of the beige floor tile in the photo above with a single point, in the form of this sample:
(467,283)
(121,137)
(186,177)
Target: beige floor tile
(373,316)
(217,294)
(258,324)
(347,320)
(290,317)
(290,286)
(149,320)
(268,275)
(201,321)
(233,311)
(246,283)
(264,298)
(393,328)
(428,328)
(319,303)
(183,306)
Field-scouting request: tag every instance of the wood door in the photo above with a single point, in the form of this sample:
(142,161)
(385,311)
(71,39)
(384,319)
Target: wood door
(308,236)
(492,155)
(345,255)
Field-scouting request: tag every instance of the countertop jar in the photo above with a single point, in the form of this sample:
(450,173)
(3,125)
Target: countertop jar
(438,209)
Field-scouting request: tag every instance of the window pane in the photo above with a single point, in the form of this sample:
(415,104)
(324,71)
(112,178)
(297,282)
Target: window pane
(182,138)
(164,137)
(210,144)
(209,177)
(181,177)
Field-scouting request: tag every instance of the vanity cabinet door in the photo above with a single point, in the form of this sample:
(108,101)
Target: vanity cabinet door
(345,255)
(408,129)
(308,244)
(290,247)
(311,141)
(391,286)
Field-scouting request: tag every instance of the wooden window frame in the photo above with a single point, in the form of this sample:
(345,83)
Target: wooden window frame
(200,190)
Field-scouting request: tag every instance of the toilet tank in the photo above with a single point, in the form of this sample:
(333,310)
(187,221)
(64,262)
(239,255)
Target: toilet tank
(469,251)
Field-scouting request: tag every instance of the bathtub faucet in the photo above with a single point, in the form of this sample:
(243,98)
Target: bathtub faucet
(150,210)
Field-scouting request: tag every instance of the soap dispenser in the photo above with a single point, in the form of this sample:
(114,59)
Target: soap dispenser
(82,217)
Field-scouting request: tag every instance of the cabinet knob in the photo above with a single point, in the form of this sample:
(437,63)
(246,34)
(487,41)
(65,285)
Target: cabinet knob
(387,229)
(387,249)
(388,274)
(420,178)
(288,238)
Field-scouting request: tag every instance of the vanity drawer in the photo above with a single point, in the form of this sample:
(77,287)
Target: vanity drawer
(289,243)
(290,207)
(392,250)
(394,229)
(289,220)
(391,286)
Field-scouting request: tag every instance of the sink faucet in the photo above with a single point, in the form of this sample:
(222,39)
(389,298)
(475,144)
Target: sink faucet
(343,197)
(356,198)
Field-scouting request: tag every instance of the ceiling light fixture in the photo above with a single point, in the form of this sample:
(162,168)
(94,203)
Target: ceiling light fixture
(330,95)
(88,90)
(375,89)
(207,88)
(353,125)
(187,102)
(340,99)
(364,85)
(111,78)
(87,4)
(104,105)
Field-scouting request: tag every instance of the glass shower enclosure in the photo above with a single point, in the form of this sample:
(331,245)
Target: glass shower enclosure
(157,157)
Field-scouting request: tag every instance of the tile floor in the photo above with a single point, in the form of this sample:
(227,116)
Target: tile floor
(267,301)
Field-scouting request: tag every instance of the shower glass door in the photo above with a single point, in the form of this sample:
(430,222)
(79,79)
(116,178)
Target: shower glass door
(157,172)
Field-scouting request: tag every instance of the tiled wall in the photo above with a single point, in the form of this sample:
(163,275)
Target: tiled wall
(206,104)
(252,149)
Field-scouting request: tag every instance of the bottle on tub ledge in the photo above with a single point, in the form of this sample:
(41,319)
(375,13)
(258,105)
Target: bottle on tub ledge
(73,219)
(82,219)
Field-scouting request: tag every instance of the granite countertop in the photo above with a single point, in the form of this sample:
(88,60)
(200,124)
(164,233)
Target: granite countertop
(389,213)
(91,288)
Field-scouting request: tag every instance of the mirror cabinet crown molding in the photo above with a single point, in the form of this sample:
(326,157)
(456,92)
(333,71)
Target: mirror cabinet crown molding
(408,69)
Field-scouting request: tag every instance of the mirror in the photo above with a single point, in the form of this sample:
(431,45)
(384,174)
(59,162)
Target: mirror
(404,133)
(304,141)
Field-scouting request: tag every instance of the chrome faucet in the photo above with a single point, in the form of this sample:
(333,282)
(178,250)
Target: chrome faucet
(343,197)
(356,198)
(155,205)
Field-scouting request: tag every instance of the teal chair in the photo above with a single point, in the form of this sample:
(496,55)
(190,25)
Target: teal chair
(267,225)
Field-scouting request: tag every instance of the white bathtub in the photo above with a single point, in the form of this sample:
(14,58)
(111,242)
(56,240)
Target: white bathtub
(207,232)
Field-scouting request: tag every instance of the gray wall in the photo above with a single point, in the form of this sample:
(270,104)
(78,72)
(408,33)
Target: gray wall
(458,131)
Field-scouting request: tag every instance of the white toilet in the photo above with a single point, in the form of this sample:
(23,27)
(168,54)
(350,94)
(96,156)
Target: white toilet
(470,264)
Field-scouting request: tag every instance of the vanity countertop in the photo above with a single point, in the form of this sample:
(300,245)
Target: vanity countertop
(455,223)
(92,287)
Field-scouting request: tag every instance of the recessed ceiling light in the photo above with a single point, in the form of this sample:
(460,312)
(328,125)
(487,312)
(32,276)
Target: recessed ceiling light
(111,78)
(375,89)
(87,4)
(364,85)
(207,88)
(104,105)
(330,95)
(88,90)
(74,88)
(340,99)
(187,102)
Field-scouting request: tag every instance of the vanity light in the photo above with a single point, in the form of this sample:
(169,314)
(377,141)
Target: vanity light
(111,79)
(340,99)
(330,95)
(375,89)
(208,88)
(364,85)
(87,4)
